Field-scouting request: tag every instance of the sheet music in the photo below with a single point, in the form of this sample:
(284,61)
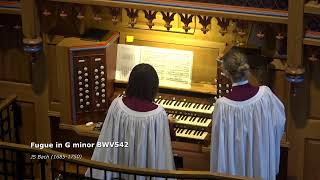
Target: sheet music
(127,57)
(174,67)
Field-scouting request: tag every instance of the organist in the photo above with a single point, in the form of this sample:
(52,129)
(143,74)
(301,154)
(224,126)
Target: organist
(135,119)
(249,124)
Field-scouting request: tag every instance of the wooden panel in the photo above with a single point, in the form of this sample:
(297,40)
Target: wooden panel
(52,73)
(27,131)
(15,66)
(39,100)
(194,161)
(50,43)
(278,85)
(314,91)
(62,59)
(14,63)
(312,159)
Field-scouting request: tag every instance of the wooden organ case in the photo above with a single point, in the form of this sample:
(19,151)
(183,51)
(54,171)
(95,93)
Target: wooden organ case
(91,71)
(89,68)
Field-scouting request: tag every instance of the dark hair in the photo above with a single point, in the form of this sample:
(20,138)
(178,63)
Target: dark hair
(143,82)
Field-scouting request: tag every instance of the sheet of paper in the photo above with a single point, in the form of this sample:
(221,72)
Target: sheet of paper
(127,57)
(174,67)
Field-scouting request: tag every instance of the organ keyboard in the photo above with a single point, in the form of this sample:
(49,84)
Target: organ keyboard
(191,135)
(185,105)
(194,120)
(192,115)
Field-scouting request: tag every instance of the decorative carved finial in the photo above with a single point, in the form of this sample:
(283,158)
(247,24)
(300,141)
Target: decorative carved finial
(260,34)
(204,21)
(46,13)
(63,10)
(17,27)
(280,31)
(97,18)
(279,36)
(80,15)
(281,49)
(115,12)
(132,14)
(63,13)
(313,53)
(241,27)
(167,17)
(96,12)
(223,23)
(150,16)
(186,19)
(313,58)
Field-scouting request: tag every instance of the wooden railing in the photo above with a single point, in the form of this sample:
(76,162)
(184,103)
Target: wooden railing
(33,160)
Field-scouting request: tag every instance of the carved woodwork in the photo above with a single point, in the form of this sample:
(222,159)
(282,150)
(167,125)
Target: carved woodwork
(96,13)
(186,19)
(63,11)
(261,31)
(281,49)
(242,27)
(150,16)
(168,18)
(115,12)
(80,12)
(223,23)
(132,14)
(204,21)
(312,54)
(46,12)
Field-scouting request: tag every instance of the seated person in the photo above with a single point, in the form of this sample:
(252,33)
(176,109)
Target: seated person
(135,119)
(249,124)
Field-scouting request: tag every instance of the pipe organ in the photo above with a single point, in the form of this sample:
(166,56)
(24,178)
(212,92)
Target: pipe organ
(83,40)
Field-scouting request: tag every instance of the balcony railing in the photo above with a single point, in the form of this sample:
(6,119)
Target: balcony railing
(23,162)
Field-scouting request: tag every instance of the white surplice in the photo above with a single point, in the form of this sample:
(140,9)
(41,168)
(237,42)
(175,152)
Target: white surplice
(147,135)
(246,135)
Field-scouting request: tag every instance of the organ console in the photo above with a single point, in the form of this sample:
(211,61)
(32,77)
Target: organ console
(89,68)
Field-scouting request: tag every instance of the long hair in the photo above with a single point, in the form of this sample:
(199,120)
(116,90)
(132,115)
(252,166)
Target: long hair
(143,82)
